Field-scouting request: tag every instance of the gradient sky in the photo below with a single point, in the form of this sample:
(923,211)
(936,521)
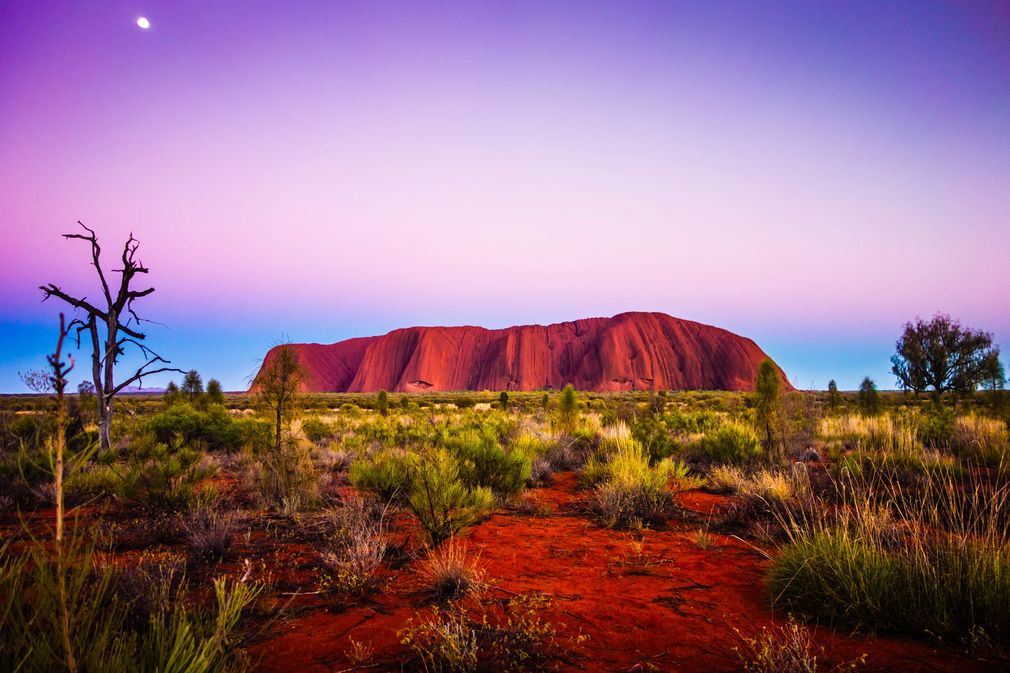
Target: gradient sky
(810,175)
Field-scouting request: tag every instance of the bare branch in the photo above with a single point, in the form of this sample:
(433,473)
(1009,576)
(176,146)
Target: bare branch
(140,373)
(52,291)
(96,252)
(146,351)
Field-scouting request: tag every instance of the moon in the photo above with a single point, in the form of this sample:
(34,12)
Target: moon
(143,23)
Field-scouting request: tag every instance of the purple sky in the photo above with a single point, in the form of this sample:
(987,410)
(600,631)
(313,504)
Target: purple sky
(811,175)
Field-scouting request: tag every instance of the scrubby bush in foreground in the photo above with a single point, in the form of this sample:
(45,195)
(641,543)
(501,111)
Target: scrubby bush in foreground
(440,500)
(514,638)
(944,571)
(354,553)
(450,572)
(385,473)
(483,461)
(730,443)
(106,632)
(629,492)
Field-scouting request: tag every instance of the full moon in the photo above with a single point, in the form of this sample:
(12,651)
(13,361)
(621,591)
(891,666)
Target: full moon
(143,23)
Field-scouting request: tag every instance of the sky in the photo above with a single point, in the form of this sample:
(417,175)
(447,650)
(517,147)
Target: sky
(808,174)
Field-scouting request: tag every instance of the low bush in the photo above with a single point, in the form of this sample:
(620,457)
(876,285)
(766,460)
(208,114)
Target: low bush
(164,476)
(628,491)
(286,479)
(517,637)
(943,570)
(936,426)
(355,551)
(484,462)
(214,427)
(384,473)
(208,531)
(108,629)
(731,443)
(442,503)
(316,430)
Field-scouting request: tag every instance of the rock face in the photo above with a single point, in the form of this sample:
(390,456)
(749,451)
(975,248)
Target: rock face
(631,351)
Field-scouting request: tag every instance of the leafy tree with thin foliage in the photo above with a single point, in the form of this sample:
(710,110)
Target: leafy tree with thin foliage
(503,401)
(110,327)
(834,397)
(214,393)
(382,402)
(942,356)
(38,381)
(85,399)
(171,395)
(869,398)
(192,386)
(278,385)
(995,381)
(767,405)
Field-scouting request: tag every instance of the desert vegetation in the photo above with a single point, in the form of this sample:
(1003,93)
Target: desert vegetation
(463,531)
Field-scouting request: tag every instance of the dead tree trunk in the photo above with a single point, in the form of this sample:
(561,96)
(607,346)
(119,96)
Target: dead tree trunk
(118,333)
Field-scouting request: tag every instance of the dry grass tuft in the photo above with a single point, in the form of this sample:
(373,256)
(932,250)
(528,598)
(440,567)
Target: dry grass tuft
(450,572)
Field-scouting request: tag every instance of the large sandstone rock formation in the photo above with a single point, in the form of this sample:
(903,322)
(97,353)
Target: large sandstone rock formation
(631,351)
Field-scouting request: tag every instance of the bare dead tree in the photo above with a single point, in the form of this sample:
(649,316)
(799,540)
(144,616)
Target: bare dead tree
(115,321)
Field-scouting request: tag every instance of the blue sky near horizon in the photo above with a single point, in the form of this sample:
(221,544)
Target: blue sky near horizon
(810,175)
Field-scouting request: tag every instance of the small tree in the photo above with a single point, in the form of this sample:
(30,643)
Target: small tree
(767,403)
(278,385)
(834,397)
(503,401)
(108,347)
(214,393)
(85,399)
(869,399)
(995,382)
(382,402)
(941,356)
(57,382)
(568,408)
(545,401)
(171,395)
(192,386)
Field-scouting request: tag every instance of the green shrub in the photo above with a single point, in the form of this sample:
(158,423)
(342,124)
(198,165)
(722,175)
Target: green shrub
(936,426)
(946,590)
(730,443)
(385,473)
(484,462)
(163,476)
(568,408)
(942,569)
(633,493)
(215,427)
(442,503)
(652,433)
(108,630)
(316,430)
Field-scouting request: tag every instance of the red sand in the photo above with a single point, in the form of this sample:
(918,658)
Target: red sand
(652,600)
(631,351)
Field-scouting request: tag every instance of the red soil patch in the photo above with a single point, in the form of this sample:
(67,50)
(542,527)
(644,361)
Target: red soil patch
(644,599)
